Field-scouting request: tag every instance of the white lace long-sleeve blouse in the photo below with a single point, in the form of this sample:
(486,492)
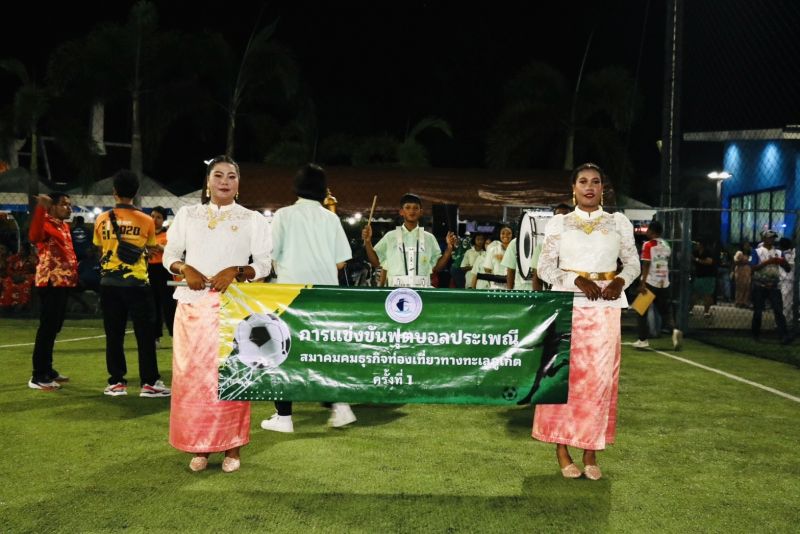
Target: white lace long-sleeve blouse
(588,242)
(213,238)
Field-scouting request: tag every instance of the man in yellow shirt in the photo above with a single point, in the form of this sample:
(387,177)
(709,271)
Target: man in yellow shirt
(124,288)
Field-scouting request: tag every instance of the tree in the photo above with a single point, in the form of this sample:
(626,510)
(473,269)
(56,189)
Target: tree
(263,66)
(136,63)
(541,121)
(384,149)
(31,101)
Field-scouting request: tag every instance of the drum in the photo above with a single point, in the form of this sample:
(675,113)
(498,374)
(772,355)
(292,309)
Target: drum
(527,239)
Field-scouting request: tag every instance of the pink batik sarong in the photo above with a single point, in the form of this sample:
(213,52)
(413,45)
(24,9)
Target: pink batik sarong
(198,421)
(589,419)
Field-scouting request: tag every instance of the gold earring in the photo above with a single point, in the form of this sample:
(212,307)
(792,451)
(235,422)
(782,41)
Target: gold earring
(208,193)
(601,199)
(236,196)
(574,200)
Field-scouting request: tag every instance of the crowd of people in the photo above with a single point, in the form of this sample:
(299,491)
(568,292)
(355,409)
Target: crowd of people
(747,277)
(585,250)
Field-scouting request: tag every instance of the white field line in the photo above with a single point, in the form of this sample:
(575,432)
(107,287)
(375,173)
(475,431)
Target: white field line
(727,375)
(59,341)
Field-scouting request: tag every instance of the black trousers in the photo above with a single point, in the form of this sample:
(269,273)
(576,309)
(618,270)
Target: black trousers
(162,296)
(118,303)
(285,407)
(663,304)
(53,304)
(761,294)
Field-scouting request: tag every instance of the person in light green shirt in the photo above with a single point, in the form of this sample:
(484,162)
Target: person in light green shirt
(408,253)
(513,278)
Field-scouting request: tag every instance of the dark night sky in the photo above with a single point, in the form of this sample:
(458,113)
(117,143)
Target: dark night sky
(373,70)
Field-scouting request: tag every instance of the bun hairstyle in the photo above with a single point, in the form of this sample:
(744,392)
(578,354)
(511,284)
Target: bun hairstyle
(220,159)
(585,166)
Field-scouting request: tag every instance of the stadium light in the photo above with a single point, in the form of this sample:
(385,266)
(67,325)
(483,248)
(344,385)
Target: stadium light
(719,177)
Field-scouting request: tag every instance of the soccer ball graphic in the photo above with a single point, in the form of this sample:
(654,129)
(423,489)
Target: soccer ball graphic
(263,341)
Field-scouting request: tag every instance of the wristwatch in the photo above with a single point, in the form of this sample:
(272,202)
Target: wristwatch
(240,276)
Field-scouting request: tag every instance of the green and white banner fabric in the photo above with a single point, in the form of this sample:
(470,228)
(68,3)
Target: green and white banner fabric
(304,343)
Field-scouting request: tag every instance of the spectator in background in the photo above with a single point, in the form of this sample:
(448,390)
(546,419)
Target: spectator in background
(89,271)
(159,276)
(471,257)
(766,263)
(705,277)
(56,274)
(18,281)
(655,256)
(492,261)
(724,275)
(787,279)
(3,266)
(457,272)
(81,239)
(742,274)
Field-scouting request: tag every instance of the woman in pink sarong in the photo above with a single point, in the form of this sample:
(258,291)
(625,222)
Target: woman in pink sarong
(217,238)
(580,255)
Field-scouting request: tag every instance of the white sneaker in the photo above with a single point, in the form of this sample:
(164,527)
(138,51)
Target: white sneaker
(278,423)
(677,339)
(641,344)
(341,415)
(157,389)
(115,390)
(44,385)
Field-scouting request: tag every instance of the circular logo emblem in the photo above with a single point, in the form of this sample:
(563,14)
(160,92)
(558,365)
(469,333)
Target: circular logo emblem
(403,305)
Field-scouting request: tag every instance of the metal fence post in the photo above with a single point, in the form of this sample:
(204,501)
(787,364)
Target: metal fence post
(686,267)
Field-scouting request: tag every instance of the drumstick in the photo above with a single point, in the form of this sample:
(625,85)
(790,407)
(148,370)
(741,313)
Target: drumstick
(374,200)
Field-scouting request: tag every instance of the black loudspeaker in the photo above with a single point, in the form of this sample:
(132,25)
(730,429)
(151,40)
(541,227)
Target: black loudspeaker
(445,217)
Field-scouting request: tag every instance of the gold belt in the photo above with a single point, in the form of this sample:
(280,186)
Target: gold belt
(595,276)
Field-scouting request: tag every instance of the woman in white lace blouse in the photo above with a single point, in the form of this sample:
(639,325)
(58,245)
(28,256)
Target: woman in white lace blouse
(211,246)
(580,255)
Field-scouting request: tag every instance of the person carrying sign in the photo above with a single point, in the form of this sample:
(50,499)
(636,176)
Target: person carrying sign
(408,253)
(211,245)
(579,255)
(309,247)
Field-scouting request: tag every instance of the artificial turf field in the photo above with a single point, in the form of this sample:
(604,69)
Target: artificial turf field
(696,452)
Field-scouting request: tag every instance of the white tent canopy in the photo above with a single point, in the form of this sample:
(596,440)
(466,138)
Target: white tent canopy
(151,194)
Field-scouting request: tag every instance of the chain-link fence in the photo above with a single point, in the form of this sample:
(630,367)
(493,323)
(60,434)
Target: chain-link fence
(718,286)
(731,152)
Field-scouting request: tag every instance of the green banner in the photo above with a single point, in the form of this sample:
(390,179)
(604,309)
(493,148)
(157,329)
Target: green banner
(371,345)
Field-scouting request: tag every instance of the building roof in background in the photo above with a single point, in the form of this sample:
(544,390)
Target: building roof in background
(147,186)
(477,192)
(16,181)
(790,131)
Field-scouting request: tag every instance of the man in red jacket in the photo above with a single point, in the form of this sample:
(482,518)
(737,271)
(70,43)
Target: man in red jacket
(56,273)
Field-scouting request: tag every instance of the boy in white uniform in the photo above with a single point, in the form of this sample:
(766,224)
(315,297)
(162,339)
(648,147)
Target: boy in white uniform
(408,253)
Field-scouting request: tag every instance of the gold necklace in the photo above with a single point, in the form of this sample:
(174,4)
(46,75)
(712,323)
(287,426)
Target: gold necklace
(214,220)
(588,226)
